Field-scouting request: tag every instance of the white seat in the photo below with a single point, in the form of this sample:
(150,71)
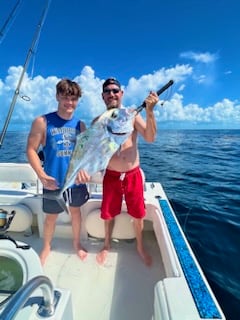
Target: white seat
(17,172)
(23,217)
(123,226)
(13,197)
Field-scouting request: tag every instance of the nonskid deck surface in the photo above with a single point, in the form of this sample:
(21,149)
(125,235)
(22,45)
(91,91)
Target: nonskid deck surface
(122,288)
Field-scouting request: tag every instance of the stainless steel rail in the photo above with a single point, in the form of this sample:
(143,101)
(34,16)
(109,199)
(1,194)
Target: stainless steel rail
(18,300)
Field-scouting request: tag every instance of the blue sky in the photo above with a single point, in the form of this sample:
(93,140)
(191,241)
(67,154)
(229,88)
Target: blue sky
(142,43)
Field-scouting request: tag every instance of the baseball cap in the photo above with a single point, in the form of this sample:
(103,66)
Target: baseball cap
(111,81)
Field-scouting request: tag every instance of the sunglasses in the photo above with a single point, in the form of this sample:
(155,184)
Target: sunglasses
(108,91)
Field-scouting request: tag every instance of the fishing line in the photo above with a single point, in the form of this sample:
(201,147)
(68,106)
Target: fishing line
(33,66)
(159,92)
(186,219)
(23,96)
(168,93)
(34,54)
(186,215)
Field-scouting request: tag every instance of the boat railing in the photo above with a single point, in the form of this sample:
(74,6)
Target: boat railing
(47,305)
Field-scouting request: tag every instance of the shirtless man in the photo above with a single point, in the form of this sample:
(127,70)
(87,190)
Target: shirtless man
(123,175)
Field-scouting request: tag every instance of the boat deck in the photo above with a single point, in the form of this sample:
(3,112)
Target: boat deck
(122,288)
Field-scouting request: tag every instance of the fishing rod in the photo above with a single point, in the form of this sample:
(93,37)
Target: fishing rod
(9,20)
(160,91)
(29,55)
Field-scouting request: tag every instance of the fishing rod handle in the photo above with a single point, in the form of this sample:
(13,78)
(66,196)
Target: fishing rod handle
(160,91)
(164,87)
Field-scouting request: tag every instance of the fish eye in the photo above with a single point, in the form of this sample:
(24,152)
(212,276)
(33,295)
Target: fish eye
(114,114)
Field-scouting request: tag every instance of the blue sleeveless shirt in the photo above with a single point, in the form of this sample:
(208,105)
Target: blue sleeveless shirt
(60,141)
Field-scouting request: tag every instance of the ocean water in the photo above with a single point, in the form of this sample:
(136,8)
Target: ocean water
(199,171)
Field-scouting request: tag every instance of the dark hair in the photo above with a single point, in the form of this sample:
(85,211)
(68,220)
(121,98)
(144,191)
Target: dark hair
(68,88)
(111,81)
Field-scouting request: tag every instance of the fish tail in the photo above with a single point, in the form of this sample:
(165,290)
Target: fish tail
(59,198)
(61,201)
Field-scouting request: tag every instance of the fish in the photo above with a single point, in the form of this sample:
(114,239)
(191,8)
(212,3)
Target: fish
(96,145)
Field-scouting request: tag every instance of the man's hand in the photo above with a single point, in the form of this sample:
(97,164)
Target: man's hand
(151,100)
(82,177)
(49,182)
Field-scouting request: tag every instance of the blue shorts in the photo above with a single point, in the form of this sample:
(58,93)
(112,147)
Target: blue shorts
(75,197)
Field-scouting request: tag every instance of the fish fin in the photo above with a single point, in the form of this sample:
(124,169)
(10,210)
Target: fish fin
(119,150)
(57,197)
(61,201)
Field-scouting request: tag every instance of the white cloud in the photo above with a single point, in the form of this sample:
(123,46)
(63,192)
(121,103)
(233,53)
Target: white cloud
(205,57)
(226,109)
(203,66)
(137,89)
(228,72)
(41,92)
(91,103)
(224,112)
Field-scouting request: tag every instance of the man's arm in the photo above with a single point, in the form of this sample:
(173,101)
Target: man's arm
(36,138)
(148,129)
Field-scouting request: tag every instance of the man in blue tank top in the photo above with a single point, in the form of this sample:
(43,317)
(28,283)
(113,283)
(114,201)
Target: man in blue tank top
(56,132)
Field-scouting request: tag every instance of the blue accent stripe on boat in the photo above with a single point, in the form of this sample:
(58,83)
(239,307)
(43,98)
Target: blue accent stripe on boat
(203,300)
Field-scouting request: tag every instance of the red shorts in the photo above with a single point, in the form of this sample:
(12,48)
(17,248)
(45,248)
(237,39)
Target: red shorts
(117,185)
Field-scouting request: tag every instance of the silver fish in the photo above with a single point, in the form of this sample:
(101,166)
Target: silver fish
(95,146)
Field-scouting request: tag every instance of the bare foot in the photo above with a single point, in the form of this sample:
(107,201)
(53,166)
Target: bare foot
(81,253)
(44,254)
(147,259)
(102,256)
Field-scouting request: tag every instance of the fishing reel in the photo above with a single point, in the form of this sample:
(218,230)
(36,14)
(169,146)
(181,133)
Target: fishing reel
(5,222)
(6,219)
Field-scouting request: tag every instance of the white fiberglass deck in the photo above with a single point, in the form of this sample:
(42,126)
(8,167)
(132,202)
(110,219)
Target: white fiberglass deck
(123,288)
